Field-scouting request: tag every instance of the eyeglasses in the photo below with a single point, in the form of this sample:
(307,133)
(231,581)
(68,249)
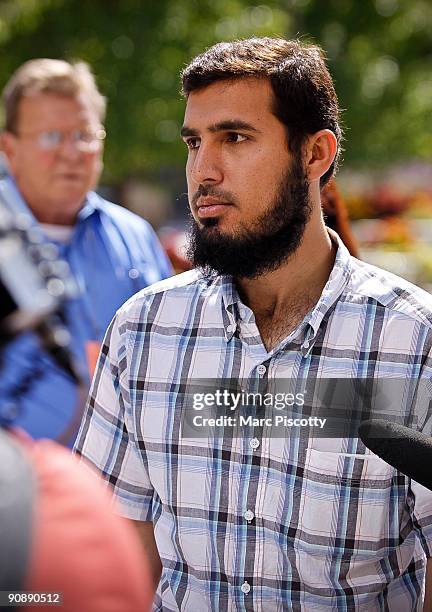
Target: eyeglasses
(83,140)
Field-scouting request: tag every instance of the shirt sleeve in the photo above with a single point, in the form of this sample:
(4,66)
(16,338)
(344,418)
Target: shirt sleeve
(106,438)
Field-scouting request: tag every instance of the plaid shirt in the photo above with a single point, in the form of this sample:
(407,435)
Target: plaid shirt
(263,523)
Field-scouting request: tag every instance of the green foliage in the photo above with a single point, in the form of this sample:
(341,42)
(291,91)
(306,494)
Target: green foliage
(379,52)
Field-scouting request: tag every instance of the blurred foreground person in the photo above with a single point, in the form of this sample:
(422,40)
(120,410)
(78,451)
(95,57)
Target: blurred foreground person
(241,514)
(59,534)
(53,141)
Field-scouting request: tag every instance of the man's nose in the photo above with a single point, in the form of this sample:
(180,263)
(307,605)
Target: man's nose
(70,148)
(206,166)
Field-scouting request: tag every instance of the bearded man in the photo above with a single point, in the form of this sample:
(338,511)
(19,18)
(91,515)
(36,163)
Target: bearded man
(248,520)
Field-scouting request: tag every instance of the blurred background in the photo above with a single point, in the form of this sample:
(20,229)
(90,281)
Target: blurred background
(379,53)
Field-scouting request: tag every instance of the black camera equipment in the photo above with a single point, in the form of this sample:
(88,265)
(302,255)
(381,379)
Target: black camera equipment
(35,284)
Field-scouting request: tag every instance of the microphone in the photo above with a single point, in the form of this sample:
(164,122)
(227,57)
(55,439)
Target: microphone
(407,450)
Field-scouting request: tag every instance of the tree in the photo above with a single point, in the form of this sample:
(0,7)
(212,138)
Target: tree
(379,52)
(137,50)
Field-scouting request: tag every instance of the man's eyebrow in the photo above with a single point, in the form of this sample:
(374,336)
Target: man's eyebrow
(232,124)
(186,131)
(221,126)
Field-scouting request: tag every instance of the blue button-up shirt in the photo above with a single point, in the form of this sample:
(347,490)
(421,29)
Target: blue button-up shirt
(112,255)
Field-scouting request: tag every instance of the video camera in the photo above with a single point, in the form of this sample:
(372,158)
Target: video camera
(35,282)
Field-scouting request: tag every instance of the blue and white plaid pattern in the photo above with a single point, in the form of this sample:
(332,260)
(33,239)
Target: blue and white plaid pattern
(258,523)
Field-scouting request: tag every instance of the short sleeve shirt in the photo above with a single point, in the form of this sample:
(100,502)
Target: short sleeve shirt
(256,522)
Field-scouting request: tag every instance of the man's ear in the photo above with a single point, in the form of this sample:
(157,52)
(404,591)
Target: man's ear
(320,152)
(8,145)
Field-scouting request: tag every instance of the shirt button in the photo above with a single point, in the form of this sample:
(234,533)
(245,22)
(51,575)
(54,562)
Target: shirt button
(254,443)
(306,345)
(261,369)
(245,587)
(231,328)
(249,515)
(242,313)
(133,273)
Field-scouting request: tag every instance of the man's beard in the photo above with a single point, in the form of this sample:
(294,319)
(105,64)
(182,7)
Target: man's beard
(266,244)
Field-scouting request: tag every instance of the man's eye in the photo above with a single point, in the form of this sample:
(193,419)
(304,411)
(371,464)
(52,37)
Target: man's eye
(235,137)
(50,138)
(192,143)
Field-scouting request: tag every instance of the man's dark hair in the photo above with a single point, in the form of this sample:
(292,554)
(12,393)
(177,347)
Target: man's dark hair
(305,100)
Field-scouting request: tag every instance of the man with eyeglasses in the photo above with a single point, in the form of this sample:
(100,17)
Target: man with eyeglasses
(53,143)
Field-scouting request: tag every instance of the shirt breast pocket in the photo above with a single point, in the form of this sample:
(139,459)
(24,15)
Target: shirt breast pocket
(341,515)
(347,505)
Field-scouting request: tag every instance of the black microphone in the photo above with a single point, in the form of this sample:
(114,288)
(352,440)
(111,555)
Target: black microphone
(405,449)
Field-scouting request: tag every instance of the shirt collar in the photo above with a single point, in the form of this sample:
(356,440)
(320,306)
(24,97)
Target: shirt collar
(230,295)
(230,298)
(333,289)
(91,205)
(308,328)
(14,200)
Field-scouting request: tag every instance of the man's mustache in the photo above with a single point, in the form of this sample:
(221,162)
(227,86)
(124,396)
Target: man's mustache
(215,192)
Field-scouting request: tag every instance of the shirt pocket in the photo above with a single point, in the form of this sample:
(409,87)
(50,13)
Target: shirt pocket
(349,522)
(346,506)
(331,518)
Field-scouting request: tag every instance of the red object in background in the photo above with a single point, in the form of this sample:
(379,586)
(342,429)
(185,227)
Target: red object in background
(174,242)
(80,547)
(336,216)
(386,200)
(92,348)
